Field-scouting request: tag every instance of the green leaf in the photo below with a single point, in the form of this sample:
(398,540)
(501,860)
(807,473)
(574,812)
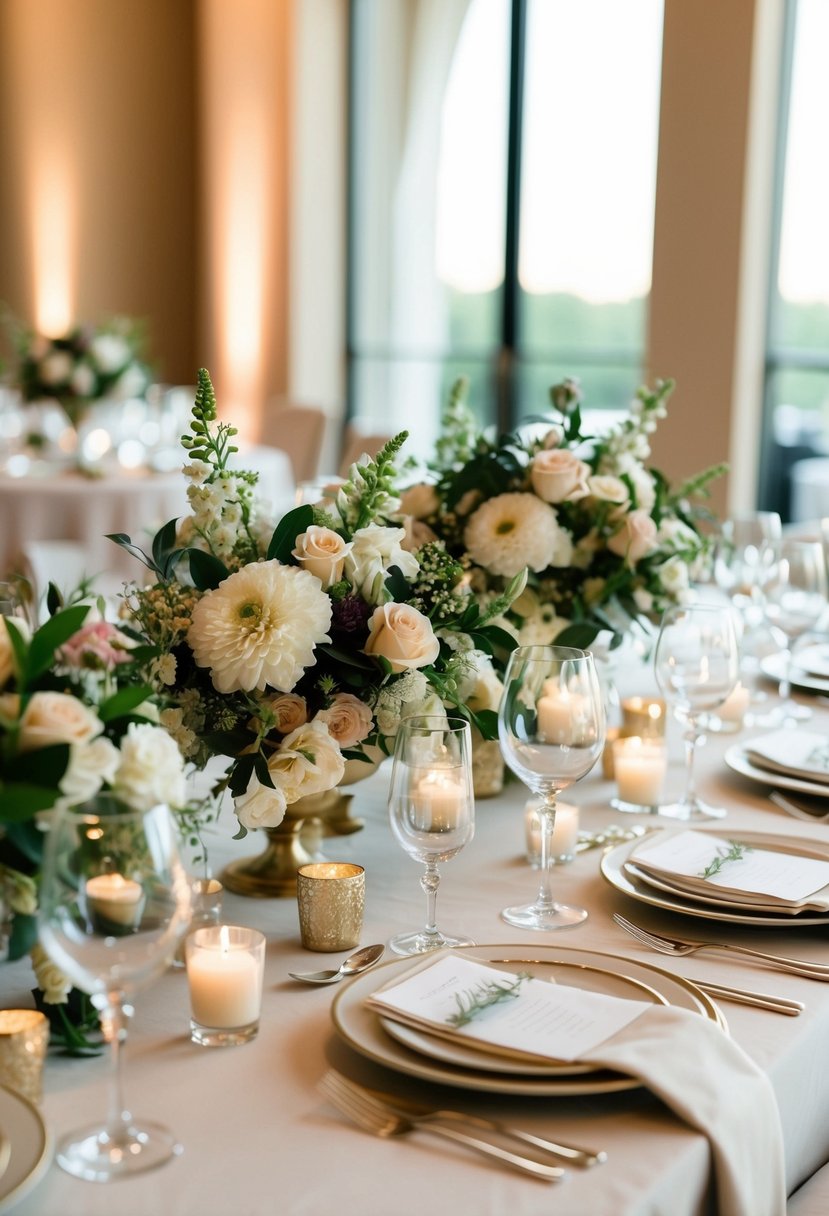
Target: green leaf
(43,768)
(21,653)
(346,657)
(397,586)
(260,767)
(123,541)
(287,530)
(241,775)
(486,721)
(164,542)
(51,636)
(123,701)
(54,599)
(228,742)
(580,636)
(21,800)
(23,936)
(498,637)
(27,838)
(206,571)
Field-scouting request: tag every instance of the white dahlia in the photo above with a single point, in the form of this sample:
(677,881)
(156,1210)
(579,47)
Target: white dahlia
(512,531)
(259,627)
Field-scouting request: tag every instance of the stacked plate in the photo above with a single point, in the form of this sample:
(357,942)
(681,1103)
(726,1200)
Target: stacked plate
(420,1054)
(25,1148)
(809,670)
(792,759)
(619,868)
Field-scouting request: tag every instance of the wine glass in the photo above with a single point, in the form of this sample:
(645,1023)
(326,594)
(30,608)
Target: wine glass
(551,724)
(696,664)
(747,553)
(431,809)
(114,902)
(796,599)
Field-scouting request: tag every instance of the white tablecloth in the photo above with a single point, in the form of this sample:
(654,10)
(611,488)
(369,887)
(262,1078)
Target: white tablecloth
(259,1139)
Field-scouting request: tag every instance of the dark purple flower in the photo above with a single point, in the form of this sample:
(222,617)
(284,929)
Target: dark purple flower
(350,615)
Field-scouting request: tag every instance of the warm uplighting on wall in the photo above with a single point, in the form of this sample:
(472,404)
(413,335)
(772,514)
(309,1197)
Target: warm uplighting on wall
(54,240)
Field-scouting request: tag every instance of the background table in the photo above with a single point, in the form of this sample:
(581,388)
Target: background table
(258,1137)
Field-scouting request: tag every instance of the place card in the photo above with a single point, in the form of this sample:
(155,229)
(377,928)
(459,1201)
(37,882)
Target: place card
(532,1018)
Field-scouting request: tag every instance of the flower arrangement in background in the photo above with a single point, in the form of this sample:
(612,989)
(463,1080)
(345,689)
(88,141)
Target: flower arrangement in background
(75,719)
(294,649)
(604,538)
(85,365)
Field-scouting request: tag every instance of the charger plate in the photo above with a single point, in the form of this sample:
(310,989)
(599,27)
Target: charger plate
(613,870)
(363,1030)
(738,762)
(774,667)
(30,1147)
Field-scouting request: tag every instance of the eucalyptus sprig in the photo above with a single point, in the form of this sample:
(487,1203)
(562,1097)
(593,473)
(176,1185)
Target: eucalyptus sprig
(475,1000)
(734,852)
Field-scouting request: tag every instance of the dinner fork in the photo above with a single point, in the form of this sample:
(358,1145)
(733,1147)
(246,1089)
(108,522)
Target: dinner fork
(380,1120)
(680,946)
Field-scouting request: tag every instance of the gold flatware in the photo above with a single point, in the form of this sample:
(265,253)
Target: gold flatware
(678,947)
(744,996)
(375,1117)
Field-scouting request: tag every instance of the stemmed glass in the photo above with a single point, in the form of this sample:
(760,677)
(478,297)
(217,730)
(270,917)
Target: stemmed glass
(431,809)
(115,900)
(551,724)
(747,554)
(696,664)
(795,601)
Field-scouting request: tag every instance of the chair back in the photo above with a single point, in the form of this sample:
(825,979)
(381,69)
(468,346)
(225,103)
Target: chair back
(298,430)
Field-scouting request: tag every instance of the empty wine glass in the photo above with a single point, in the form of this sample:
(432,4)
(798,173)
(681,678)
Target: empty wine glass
(431,809)
(796,599)
(114,902)
(551,724)
(696,664)
(746,557)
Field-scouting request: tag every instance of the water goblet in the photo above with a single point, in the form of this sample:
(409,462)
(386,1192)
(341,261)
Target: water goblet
(114,902)
(696,664)
(796,599)
(431,810)
(746,557)
(551,724)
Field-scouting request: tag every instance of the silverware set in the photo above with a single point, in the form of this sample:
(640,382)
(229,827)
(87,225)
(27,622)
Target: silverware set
(387,1115)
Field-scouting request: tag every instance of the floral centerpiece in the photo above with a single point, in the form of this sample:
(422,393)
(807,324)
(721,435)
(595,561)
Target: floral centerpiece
(604,538)
(293,649)
(83,366)
(75,719)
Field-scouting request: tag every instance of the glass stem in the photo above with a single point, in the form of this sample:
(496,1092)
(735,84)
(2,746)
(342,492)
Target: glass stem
(692,737)
(785,688)
(114,1017)
(547,816)
(430,881)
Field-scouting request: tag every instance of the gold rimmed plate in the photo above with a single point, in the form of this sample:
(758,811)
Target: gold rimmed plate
(614,870)
(363,1029)
(738,762)
(30,1147)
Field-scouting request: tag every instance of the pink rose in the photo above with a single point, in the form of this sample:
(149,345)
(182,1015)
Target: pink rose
(98,646)
(348,719)
(289,710)
(635,538)
(557,475)
(402,635)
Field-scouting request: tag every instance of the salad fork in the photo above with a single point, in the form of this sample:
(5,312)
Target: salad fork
(380,1120)
(678,947)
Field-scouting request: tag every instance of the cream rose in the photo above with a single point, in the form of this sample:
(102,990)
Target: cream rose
(322,552)
(151,769)
(374,550)
(348,719)
(635,539)
(607,488)
(558,475)
(55,717)
(308,762)
(51,981)
(419,501)
(402,635)
(260,806)
(90,765)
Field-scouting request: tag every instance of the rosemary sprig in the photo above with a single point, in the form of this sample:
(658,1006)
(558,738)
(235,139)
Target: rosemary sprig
(734,852)
(476,1000)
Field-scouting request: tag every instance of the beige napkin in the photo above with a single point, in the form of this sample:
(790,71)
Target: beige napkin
(710,1083)
(801,753)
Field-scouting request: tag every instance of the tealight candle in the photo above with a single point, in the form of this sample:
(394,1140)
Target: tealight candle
(436,801)
(640,766)
(729,716)
(565,832)
(114,901)
(225,968)
(561,716)
(330,899)
(24,1037)
(644,717)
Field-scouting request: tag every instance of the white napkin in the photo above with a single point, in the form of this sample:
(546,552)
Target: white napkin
(814,660)
(802,753)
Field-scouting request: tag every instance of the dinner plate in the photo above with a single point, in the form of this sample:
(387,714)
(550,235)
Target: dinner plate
(31,1147)
(774,666)
(362,1028)
(738,762)
(663,883)
(612,868)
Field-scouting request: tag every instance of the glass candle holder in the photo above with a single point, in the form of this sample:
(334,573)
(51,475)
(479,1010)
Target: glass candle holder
(644,717)
(565,833)
(206,907)
(24,1037)
(225,969)
(330,899)
(641,765)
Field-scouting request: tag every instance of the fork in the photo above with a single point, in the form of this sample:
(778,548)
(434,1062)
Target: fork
(796,809)
(376,1117)
(679,947)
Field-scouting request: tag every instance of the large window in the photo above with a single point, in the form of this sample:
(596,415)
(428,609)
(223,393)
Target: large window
(502,166)
(797,367)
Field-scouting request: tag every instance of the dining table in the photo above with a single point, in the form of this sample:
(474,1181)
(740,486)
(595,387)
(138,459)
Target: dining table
(259,1137)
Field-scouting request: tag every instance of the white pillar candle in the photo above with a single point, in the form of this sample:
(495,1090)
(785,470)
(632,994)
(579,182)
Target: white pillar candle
(640,766)
(565,832)
(436,801)
(561,717)
(224,974)
(113,898)
(734,707)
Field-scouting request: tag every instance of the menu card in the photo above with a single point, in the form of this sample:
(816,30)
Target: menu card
(701,863)
(802,753)
(533,1017)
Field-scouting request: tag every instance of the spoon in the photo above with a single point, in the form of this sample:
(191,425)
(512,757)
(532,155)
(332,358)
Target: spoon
(361,960)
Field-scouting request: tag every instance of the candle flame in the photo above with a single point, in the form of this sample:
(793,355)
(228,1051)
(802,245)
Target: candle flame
(224,939)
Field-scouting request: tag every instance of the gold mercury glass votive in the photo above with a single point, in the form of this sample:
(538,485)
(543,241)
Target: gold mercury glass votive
(330,898)
(644,717)
(24,1037)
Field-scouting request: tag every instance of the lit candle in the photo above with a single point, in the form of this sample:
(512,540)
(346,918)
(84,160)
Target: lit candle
(565,832)
(225,977)
(436,801)
(640,766)
(644,717)
(732,710)
(611,736)
(116,900)
(561,717)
